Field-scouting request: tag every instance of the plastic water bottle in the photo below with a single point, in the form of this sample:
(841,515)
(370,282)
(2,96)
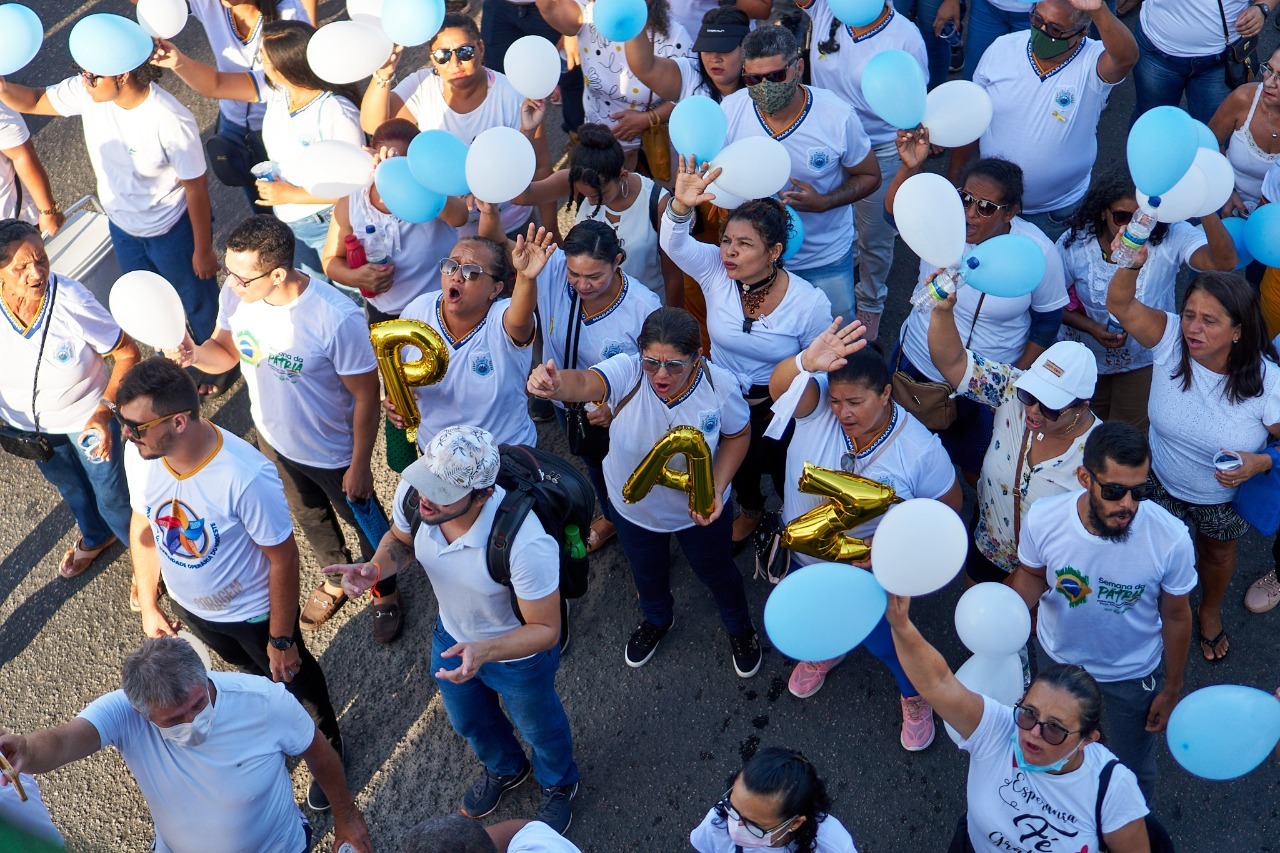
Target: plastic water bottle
(1136,233)
(945,283)
(573,540)
(89,442)
(376,250)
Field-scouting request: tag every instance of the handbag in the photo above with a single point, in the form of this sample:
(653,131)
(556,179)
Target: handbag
(655,140)
(35,446)
(1257,499)
(1239,58)
(931,403)
(585,438)
(1161,842)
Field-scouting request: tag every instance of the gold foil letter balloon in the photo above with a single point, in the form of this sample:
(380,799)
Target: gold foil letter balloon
(399,376)
(699,481)
(854,500)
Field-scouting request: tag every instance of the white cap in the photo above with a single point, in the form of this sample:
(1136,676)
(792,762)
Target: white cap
(1064,373)
(457,460)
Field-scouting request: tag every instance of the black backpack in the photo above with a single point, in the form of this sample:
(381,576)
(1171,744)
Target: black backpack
(557,493)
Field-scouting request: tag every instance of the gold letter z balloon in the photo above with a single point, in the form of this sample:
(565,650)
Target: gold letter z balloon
(854,500)
(389,338)
(698,481)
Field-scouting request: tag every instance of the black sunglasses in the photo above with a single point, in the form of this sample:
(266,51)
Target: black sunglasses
(1053,734)
(244,282)
(466,53)
(1117,491)
(772,76)
(1120,217)
(1026,398)
(470,272)
(139,428)
(986,209)
(1053,30)
(91,79)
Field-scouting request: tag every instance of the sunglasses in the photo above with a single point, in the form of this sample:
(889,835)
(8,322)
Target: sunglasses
(1053,30)
(756,831)
(135,427)
(241,280)
(986,209)
(1052,733)
(772,76)
(1026,398)
(674,366)
(1120,217)
(91,79)
(1117,491)
(470,272)
(466,53)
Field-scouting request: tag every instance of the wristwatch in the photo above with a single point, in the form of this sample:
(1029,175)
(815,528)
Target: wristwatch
(281,644)
(1266,10)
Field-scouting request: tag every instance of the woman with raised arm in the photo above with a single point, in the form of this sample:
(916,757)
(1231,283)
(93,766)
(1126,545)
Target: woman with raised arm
(714,69)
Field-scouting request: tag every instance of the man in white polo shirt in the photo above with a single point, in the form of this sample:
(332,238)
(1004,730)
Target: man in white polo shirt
(207,750)
(1112,572)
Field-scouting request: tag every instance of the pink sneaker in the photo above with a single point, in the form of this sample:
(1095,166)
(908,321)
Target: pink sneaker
(917,724)
(807,678)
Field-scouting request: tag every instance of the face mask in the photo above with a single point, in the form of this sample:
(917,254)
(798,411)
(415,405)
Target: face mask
(739,835)
(771,97)
(193,733)
(1023,764)
(1045,46)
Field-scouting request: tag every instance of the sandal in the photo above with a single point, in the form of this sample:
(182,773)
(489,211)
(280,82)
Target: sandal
(1211,645)
(215,385)
(601,531)
(79,558)
(1125,7)
(752,516)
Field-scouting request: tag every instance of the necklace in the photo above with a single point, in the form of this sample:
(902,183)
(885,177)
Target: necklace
(1065,434)
(754,295)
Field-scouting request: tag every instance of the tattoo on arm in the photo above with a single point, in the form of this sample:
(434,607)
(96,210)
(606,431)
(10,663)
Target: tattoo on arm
(400,555)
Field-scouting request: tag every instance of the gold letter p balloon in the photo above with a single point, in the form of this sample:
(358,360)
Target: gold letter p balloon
(389,339)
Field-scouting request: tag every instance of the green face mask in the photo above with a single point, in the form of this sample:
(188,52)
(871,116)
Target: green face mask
(771,97)
(1045,46)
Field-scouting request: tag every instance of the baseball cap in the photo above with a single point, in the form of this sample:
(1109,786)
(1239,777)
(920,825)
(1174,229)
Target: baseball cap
(457,460)
(720,38)
(1065,372)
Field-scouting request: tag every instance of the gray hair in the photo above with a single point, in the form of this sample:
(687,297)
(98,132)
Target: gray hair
(160,674)
(451,833)
(770,41)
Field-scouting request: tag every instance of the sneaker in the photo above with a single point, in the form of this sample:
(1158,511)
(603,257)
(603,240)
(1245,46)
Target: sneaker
(316,800)
(1263,594)
(555,809)
(917,724)
(541,411)
(644,642)
(809,676)
(871,320)
(319,607)
(746,654)
(388,617)
(486,792)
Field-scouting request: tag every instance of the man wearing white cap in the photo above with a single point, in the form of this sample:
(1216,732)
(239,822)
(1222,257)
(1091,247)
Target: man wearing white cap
(481,652)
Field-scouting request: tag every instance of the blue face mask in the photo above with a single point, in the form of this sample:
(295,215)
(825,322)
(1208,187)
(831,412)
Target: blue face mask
(1023,764)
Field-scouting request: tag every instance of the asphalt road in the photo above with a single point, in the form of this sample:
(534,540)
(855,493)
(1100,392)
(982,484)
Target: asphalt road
(655,745)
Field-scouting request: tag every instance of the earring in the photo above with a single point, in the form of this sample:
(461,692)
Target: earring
(626,187)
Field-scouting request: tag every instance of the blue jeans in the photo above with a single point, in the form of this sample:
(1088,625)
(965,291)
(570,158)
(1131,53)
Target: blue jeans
(1161,80)
(936,50)
(250,143)
(1052,222)
(169,255)
(986,24)
(709,552)
(95,491)
(528,690)
(836,280)
(311,231)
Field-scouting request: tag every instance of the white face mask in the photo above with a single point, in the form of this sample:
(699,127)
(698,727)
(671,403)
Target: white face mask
(739,835)
(193,733)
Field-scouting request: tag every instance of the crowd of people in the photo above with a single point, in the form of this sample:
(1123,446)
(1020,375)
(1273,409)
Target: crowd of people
(1091,416)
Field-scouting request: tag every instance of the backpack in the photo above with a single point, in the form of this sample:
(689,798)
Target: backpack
(555,491)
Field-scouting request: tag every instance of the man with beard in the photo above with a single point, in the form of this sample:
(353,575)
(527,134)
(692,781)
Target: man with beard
(1112,572)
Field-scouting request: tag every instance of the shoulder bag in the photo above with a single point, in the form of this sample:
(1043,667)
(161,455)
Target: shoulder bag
(35,446)
(585,438)
(1239,57)
(929,402)
(1161,842)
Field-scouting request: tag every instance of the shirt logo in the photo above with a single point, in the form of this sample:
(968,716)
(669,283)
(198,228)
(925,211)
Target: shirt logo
(247,345)
(613,348)
(186,538)
(62,352)
(1119,598)
(482,366)
(709,422)
(819,159)
(1074,586)
(286,367)
(1065,98)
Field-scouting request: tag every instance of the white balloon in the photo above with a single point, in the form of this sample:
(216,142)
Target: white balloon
(919,547)
(500,164)
(930,218)
(162,19)
(1219,180)
(147,307)
(346,51)
(202,651)
(365,11)
(755,167)
(532,66)
(992,619)
(957,113)
(724,199)
(1185,199)
(332,168)
(997,677)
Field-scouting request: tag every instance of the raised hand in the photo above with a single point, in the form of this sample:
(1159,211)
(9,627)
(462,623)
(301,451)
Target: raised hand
(531,114)
(830,350)
(913,146)
(545,380)
(532,251)
(692,182)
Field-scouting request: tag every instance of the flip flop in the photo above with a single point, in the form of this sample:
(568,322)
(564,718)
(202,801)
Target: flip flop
(597,539)
(79,558)
(1212,645)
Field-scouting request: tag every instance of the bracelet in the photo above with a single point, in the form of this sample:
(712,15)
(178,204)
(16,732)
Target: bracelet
(383,81)
(679,218)
(51,211)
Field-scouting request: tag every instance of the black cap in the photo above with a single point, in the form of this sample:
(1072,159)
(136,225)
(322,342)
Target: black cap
(720,38)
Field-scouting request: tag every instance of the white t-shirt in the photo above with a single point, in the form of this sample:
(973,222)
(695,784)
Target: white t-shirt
(286,133)
(691,82)
(841,72)
(1004,324)
(712,836)
(473,606)
(712,403)
(293,358)
(826,139)
(636,234)
(73,375)
(416,249)
(1005,803)
(803,314)
(1189,428)
(1271,183)
(1049,125)
(484,384)
(232,53)
(1090,273)
(1190,27)
(907,457)
(1102,606)
(31,816)
(536,837)
(139,156)
(231,793)
(13,132)
(423,95)
(210,526)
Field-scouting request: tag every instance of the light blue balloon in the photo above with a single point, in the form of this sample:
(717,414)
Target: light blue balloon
(438,160)
(1235,226)
(823,611)
(893,84)
(620,20)
(23,36)
(795,234)
(1206,138)
(1010,265)
(412,22)
(1162,146)
(698,126)
(109,44)
(403,195)
(1224,731)
(856,13)
(1262,234)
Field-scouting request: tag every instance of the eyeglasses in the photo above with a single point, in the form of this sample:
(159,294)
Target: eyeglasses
(1053,30)
(470,272)
(772,76)
(1266,72)
(1026,398)
(753,829)
(241,280)
(986,209)
(1052,733)
(1117,491)
(91,79)
(466,53)
(673,365)
(137,428)
(1120,217)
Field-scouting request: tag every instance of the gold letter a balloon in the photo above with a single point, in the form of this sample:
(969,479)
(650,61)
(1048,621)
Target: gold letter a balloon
(854,501)
(399,376)
(699,481)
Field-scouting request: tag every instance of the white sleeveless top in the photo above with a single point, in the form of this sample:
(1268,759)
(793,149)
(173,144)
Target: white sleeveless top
(1248,159)
(416,250)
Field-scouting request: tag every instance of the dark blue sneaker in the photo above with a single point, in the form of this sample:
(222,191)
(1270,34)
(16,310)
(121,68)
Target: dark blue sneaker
(484,795)
(555,810)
